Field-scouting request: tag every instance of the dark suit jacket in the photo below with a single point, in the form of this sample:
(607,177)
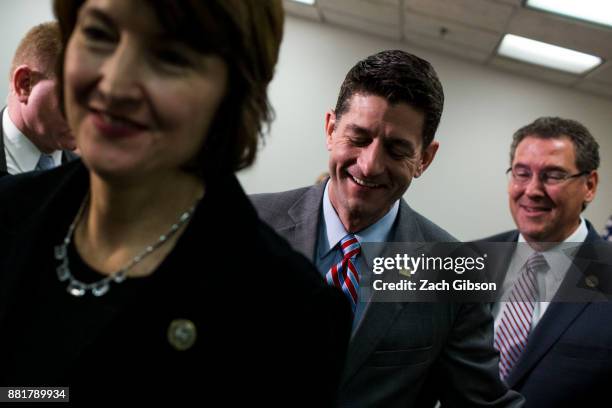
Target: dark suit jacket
(568,359)
(270,331)
(403,354)
(67,155)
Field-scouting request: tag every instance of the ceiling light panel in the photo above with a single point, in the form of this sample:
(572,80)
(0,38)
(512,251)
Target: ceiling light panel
(548,55)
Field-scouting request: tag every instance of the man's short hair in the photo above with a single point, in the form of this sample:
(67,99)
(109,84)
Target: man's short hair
(39,48)
(399,77)
(587,149)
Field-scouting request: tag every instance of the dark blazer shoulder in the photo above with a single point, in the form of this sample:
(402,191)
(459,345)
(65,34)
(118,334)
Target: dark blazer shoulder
(277,254)
(273,253)
(293,274)
(26,192)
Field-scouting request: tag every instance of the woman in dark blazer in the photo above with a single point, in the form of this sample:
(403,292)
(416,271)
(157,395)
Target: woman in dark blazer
(142,272)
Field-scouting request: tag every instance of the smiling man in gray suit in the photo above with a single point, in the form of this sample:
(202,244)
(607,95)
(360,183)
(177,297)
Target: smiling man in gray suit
(380,136)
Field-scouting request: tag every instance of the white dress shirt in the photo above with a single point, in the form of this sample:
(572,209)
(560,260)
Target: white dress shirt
(559,260)
(21,154)
(332,230)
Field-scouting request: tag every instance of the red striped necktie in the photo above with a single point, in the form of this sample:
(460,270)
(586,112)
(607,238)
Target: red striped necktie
(513,330)
(343,274)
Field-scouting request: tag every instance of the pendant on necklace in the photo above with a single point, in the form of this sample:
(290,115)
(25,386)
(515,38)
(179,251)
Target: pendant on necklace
(76,288)
(100,288)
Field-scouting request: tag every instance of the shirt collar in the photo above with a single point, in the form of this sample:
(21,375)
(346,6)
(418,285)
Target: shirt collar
(24,153)
(559,254)
(335,231)
(579,235)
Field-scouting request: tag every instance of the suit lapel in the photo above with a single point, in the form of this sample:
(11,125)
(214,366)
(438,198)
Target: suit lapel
(379,316)
(559,315)
(377,320)
(303,234)
(305,214)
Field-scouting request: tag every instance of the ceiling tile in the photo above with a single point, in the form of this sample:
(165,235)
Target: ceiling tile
(602,74)
(517,3)
(301,10)
(428,43)
(395,3)
(546,74)
(361,25)
(477,13)
(561,31)
(378,13)
(595,87)
(473,31)
(454,34)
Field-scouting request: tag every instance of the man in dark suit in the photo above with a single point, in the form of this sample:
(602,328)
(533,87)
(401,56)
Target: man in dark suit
(34,134)
(555,344)
(380,137)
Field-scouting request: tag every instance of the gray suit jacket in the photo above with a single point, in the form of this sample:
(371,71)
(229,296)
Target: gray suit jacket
(403,354)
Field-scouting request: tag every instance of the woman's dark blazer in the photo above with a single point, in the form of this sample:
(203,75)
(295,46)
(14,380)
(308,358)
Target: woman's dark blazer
(268,328)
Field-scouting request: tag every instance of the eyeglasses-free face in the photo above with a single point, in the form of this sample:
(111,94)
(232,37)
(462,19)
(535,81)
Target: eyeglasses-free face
(547,207)
(375,150)
(139,101)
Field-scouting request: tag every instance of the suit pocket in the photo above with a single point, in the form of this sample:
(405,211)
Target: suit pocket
(399,357)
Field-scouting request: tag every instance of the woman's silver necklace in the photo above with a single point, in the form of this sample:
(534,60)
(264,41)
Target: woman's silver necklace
(99,288)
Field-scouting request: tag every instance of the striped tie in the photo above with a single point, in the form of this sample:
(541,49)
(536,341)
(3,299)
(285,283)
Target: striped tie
(513,330)
(343,274)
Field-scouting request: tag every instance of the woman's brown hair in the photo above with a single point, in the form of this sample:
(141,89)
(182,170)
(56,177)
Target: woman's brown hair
(247,35)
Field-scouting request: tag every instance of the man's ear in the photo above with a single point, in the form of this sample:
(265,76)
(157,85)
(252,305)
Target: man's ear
(427,157)
(591,185)
(330,126)
(23,82)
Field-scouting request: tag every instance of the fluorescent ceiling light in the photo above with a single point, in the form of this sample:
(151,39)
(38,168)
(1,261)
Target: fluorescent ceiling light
(548,55)
(596,11)
(309,2)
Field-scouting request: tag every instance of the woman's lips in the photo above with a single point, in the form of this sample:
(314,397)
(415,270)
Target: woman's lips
(114,126)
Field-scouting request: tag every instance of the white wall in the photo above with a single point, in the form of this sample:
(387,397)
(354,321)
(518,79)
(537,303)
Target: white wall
(17,18)
(464,190)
